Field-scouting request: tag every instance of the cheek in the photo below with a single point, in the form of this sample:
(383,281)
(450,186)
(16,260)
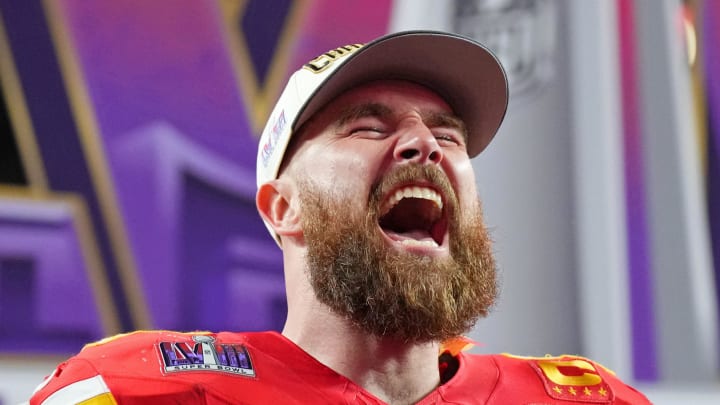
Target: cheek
(354,178)
(345,175)
(464,182)
(350,167)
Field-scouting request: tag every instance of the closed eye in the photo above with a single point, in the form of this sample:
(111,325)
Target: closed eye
(446,127)
(448,137)
(368,119)
(368,132)
(366,129)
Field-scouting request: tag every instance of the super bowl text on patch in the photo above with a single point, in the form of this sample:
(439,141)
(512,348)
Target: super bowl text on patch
(573,379)
(202,353)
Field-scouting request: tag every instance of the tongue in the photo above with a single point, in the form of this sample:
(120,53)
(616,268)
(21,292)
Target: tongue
(414,234)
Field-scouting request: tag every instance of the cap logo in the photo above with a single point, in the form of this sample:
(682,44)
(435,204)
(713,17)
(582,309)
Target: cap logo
(269,146)
(325,60)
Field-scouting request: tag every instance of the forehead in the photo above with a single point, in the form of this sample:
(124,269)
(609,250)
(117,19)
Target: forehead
(400,96)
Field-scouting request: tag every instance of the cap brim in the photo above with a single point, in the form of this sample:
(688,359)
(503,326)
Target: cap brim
(463,72)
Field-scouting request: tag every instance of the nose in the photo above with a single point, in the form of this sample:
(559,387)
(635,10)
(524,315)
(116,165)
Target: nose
(417,144)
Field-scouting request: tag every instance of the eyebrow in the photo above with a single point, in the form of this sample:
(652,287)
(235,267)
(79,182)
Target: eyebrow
(358,111)
(432,119)
(439,119)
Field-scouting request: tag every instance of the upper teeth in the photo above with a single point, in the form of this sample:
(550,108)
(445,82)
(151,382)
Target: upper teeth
(413,192)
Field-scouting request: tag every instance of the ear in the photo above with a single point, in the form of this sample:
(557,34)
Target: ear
(277,206)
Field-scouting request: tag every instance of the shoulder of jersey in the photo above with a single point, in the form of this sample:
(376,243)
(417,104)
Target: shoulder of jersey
(142,356)
(572,378)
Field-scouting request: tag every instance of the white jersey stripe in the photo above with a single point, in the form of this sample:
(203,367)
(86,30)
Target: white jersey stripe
(78,391)
(45,382)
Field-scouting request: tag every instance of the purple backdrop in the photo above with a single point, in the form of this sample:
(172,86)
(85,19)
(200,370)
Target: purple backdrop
(146,132)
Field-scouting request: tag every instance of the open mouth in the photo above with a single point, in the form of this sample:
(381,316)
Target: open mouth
(414,216)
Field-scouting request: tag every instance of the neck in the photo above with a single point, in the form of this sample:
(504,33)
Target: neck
(395,372)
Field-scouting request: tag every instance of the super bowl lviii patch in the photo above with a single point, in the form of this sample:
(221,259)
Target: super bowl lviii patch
(573,379)
(203,353)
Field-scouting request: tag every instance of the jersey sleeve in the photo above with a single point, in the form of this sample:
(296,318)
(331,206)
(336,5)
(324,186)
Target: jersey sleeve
(139,368)
(73,382)
(624,393)
(565,379)
(578,379)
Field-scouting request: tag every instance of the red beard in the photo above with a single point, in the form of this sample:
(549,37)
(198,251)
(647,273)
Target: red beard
(391,293)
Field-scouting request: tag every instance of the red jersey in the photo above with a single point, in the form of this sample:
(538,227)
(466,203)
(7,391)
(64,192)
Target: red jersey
(164,367)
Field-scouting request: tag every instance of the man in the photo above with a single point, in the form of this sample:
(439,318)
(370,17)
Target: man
(365,182)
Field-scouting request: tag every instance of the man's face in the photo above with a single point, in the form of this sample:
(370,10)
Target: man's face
(390,216)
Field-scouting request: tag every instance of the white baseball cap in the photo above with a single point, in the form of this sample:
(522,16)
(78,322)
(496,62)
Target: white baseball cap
(462,71)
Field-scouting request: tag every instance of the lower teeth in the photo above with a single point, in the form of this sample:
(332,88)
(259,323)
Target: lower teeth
(413,242)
